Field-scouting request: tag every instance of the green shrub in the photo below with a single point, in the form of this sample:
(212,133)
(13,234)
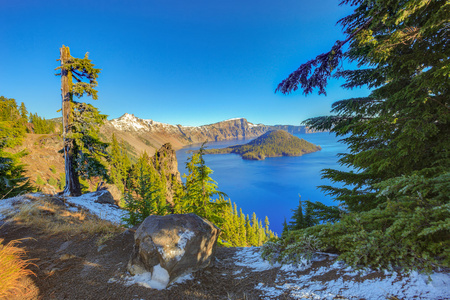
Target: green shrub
(53,169)
(39,180)
(53,182)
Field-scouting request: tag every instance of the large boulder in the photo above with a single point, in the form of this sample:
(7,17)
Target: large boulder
(173,245)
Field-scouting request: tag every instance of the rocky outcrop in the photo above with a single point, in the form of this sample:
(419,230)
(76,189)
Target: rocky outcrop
(165,162)
(172,246)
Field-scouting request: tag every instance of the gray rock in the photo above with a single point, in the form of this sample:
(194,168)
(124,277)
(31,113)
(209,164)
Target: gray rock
(115,192)
(103,197)
(179,244)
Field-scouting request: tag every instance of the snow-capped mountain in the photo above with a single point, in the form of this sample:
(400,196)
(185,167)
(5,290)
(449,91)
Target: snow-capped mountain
(148,135)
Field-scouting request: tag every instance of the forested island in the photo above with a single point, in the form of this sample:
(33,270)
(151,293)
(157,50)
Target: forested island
(271,144)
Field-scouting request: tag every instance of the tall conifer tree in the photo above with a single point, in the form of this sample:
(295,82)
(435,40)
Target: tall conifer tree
(398,136)
(79,70)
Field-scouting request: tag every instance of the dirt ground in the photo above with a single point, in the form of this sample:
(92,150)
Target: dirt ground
(76,268)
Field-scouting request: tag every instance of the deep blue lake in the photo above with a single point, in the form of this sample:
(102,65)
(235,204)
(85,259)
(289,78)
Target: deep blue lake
(271,187)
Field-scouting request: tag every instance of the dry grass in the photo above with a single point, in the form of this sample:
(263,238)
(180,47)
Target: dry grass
(54,219)
(13,270)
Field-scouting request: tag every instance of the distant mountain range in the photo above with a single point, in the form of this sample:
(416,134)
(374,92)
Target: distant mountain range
(149,135)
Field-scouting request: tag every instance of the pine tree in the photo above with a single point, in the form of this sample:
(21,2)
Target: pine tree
(41,125)
(12,127)
(12,179)
(146,193)
(248,229)
(76,69)
(255,231)
(242,230)
(201,195)
(23,112)
(303,216)
(397,136)
(285,228)
(118,164)
(298,221)
(89,152)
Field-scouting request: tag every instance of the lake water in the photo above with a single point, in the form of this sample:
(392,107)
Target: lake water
(271,187)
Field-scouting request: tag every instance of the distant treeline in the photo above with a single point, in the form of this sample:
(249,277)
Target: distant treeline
(15,121)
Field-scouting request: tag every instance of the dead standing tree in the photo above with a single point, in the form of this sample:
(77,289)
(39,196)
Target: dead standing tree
(79,69)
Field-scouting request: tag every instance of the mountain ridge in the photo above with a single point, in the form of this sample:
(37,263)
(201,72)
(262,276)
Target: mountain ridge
(149,135)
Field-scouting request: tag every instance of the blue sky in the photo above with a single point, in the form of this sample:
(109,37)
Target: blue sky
(179,62)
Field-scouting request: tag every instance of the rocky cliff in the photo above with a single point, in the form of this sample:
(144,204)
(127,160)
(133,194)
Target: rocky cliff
(165,162)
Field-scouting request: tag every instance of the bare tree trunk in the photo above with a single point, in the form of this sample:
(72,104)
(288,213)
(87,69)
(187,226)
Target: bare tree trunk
(72,187)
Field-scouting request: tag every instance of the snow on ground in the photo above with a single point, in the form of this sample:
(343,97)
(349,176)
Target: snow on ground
(104,211)
(159,279)
(250,257)
(7,205)
(349,283)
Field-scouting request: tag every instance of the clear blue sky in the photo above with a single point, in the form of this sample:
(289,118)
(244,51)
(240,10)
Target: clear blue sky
(180,62)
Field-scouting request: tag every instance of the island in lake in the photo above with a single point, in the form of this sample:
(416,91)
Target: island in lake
(271,144)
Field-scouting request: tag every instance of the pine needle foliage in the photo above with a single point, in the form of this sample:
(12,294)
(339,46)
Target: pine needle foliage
(394,201)
(90,152)
(146,194)
(201,195)
(12,178)
(119,164)
(12,130)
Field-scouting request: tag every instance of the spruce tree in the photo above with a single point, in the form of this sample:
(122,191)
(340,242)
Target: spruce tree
(398,136)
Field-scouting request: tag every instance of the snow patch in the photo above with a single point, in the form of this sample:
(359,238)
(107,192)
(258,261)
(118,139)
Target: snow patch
(158,279)
(250,257)
(183,278)
(350,283)
(6,206)
(233,119)
(103,211)
(179,251)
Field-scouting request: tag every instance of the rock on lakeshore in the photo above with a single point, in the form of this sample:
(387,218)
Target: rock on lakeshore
(174,244)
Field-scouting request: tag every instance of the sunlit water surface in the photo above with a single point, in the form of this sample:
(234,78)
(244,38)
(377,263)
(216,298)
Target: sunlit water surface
(271,187)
